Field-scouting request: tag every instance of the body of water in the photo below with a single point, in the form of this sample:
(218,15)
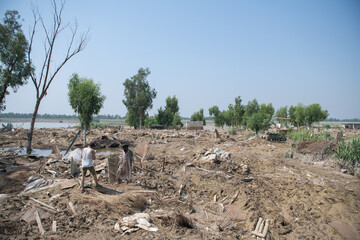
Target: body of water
(26,125)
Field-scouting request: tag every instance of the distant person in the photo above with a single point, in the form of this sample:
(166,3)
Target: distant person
(87,163)
(126,165)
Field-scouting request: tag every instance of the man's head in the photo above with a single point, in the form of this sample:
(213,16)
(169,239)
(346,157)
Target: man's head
(125,147)
(92,145)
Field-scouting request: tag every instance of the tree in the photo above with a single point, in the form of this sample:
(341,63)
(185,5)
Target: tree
(138,97)
(46,77)
(14,67)
(268,109)
(292,116)
(313,113)
(218,116)
(198,116)
(164,117)
(250,108)
(172,104)
(229,116)
(282,112)
(258,121)
(86,100)
(239,111)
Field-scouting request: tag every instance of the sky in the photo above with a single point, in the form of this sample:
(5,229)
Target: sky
(205,52)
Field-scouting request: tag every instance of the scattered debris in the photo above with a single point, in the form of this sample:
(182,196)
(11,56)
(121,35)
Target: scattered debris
(134,223)
(261,228)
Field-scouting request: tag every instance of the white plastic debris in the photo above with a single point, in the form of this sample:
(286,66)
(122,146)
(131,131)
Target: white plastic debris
(74,155)
(134,222)
(35,184)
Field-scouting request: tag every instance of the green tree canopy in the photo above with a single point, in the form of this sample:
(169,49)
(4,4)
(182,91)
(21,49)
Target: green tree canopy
(217,115)
(313,113)
(85,98)
(172,104)
(229,116)
(258,121)
(301,115)
(138,97)
(14,66)
(198,116)
(239,111)
(282,112)
(251,108)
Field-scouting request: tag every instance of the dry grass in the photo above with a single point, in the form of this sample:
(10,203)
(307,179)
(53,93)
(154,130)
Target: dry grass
(124,203)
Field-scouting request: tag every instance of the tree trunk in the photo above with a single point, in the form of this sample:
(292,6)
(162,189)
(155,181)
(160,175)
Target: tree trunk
(84,136)
(30,134)
(140,121)
(3,94)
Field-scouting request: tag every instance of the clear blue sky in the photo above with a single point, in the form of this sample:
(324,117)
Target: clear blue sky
(209,52)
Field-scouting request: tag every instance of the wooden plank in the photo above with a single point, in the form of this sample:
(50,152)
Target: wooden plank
(234,198)
(53,226)
(72,207)
(69,184)
(38,220)
(29,215)
(44,204)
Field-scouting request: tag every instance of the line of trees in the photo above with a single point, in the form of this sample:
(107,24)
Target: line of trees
(301,115)
(254,116)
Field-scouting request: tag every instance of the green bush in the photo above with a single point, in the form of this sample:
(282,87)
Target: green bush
(249,135)
(349,152)
(232,131)
(327,126)
(98,125)
(310,135)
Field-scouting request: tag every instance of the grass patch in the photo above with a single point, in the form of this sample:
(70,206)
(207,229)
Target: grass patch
(249,135)
(349,152)
(310,135)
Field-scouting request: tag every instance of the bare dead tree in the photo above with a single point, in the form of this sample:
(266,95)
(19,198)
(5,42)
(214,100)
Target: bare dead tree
(43,82)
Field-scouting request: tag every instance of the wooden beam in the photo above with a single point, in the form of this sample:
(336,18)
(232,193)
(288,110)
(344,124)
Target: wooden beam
(44,204)
(38,220)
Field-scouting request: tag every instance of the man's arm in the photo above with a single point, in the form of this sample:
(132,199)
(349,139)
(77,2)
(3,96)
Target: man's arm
(93,154)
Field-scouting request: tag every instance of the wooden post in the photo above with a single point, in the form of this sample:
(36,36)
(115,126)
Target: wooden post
(38,220)
(112,169)
(72,207)
(163,165)
(54,226)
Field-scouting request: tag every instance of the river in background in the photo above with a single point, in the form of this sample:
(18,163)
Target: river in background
(40,124)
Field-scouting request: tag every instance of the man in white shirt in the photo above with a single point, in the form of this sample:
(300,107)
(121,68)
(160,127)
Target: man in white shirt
(87,163)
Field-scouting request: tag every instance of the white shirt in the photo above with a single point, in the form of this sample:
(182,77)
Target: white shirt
(87,160)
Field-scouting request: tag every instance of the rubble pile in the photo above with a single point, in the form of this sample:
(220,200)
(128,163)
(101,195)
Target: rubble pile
(191,185)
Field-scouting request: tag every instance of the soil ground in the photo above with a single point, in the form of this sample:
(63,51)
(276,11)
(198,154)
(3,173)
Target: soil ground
(188,193)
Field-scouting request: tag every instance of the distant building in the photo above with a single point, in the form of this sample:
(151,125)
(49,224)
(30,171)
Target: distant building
(351,125)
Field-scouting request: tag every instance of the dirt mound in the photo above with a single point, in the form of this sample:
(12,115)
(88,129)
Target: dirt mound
(316,148)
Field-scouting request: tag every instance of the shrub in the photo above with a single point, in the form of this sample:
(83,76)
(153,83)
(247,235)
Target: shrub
(232,131)
(249,135)
(98,125)
(309,135)
(349,152)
